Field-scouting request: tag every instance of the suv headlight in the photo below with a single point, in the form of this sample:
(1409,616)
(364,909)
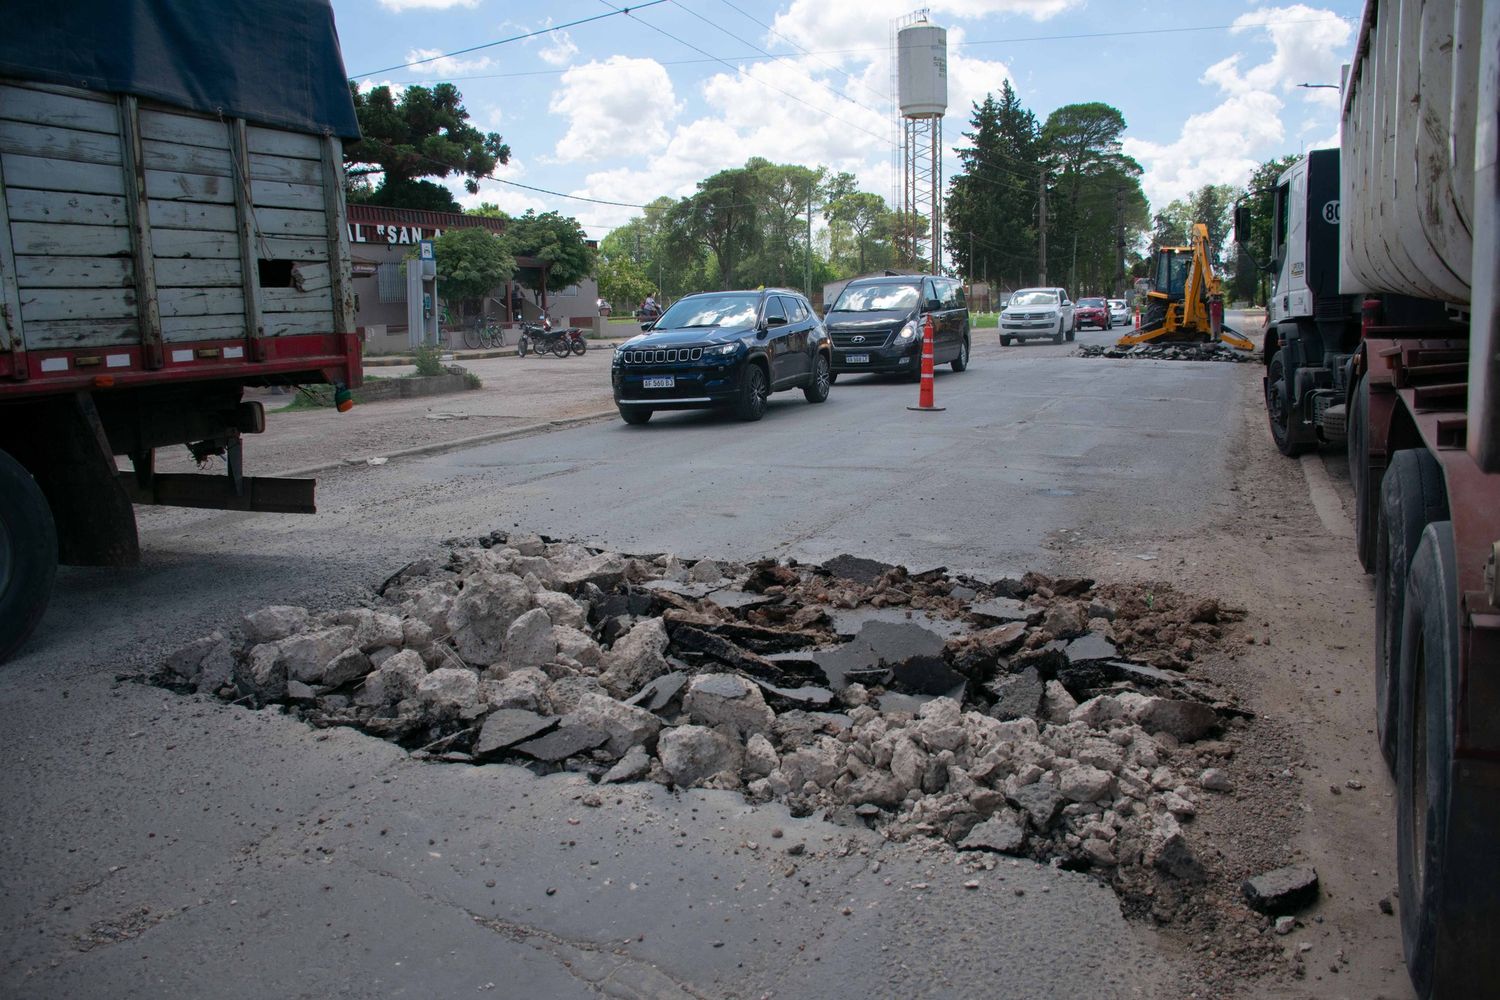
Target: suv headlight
(721,350)
(908,331)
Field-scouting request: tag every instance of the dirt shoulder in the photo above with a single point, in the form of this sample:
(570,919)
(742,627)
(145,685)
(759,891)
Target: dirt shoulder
(1310,787)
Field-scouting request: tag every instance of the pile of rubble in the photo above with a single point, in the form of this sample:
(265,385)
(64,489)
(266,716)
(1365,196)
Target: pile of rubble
(1035,717)
(1168,352)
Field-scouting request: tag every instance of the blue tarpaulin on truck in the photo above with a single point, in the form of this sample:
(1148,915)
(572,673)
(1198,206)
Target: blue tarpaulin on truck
(272,62)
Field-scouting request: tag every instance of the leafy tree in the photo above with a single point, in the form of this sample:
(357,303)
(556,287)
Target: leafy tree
(782,194)
(424,133)
(553,238)
(471,263)
(1211,206)
(622,282)
(720,219)
(991,203)
(862,222)
(487,210)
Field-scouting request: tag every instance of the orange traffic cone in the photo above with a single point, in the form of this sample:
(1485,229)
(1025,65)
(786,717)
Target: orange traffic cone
(924,399)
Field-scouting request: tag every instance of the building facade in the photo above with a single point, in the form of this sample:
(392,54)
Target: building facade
(381,238)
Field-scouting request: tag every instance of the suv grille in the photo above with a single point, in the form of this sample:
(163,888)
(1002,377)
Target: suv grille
(659,357)
(876,338)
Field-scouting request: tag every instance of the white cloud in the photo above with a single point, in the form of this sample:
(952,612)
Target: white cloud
(1225,144)
(560,49)
(867,25)
(404,5)
(446,66)
(619,104)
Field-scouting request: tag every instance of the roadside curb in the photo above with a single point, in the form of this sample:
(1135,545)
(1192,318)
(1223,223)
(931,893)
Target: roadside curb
(438,447)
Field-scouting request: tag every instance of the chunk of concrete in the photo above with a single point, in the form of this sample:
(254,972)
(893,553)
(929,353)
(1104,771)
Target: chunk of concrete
(1004,832)
(727,700)
(273,624)
(1086,784)
(1017,695)
(529,641)
(482,613)
(507,727)
(1282,891)
(658,694)
(631,767)
(395,681)
(691,755)
(1185,720)
(1040,801)
(626,725)
(562,743)
(307,654)
(450,691)
(636,657)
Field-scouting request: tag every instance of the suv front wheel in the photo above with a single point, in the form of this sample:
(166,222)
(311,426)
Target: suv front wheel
(753,391)
(816,390)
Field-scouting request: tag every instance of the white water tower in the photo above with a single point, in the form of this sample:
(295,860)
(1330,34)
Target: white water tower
(922,97)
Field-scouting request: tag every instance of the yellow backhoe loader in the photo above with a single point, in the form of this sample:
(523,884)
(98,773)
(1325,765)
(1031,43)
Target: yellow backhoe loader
(1184,304)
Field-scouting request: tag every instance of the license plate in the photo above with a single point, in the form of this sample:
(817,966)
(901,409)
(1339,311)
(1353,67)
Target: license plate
(857,359)
(665,382)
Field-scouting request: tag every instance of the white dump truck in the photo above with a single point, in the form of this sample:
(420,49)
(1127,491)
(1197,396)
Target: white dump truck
(171,231)
(1384,337)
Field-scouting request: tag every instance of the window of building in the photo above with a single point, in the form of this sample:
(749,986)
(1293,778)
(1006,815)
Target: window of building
(392,282)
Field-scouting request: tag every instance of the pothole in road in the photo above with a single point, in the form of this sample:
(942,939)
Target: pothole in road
(1056,719)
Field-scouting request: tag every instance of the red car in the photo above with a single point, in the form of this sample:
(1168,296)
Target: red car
(1093,312)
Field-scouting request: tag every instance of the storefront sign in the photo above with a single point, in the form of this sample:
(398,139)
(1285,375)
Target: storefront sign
(364,232)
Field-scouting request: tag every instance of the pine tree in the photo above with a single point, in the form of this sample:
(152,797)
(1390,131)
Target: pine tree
(994,195)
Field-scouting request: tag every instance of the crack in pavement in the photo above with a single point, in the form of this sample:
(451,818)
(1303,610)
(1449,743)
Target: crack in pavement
(601,967)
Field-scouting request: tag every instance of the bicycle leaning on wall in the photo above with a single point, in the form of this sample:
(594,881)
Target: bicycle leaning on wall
(485,332)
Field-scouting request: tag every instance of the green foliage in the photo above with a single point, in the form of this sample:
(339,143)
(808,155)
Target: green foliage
(1094,196)
(860,228)
(424,133)
(472,381)
(428,360)
(994,196)
(471,263)
(622,282)
(425,195)
(556,239)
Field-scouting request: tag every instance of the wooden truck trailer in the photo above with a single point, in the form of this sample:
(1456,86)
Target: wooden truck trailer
(172,231)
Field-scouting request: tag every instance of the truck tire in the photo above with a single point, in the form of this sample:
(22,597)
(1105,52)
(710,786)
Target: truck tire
(1411,497)
(1356,441)
(1279,409)
(1444,840)
(28,554)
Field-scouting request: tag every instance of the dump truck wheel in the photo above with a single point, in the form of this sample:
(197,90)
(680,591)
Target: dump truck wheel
(1429,673)
(1356,441)
(1279,409)
(28,554)
(1412,496)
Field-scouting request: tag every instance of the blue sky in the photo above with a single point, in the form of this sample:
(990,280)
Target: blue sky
(629,107)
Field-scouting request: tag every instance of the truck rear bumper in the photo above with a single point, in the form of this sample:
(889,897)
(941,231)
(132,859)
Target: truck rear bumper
(316,357)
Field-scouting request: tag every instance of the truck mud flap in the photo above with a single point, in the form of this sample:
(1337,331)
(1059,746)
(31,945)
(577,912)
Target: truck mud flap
(259,493)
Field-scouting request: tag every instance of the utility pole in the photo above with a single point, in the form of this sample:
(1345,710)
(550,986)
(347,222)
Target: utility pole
(1120,243)
(807,273)
(1041,228)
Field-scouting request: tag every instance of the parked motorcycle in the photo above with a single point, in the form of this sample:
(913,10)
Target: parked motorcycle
(541,339)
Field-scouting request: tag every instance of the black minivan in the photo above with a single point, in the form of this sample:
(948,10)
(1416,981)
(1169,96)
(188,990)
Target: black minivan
(876,324)
(723,349)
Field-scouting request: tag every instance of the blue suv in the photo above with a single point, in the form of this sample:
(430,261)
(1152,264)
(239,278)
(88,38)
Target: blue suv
(723,349)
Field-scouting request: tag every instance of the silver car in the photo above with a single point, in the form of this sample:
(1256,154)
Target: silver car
(1119,311)
(1037,313)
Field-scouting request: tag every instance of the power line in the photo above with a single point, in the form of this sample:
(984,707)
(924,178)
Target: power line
(514,38)
(738,70)
(718,27)
(863,50)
